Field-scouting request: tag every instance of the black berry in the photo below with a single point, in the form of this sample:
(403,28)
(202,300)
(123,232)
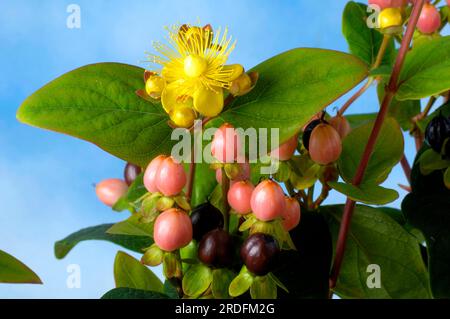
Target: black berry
(130,173)
(259,253)
(307,133)
(205,218)
(438,130)
(216,248)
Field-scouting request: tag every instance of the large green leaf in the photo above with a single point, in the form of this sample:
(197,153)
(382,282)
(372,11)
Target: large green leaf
(131,226)
(377,239)
(134,243)
(292,87)
(204,184)
(364,42)
(129,293)
(426,70)
(134,192)
(98,103)
(430,214)
(13,271)
(305,271)
(366,193)
(387,152)
(130,273)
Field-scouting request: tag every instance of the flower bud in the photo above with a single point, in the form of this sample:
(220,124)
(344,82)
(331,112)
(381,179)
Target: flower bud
(154,86)
(183,116)
(390,17)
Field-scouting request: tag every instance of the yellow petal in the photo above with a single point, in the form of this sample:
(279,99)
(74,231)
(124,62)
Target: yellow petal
(172,99)
(208,102)
(232,71)
(154,86)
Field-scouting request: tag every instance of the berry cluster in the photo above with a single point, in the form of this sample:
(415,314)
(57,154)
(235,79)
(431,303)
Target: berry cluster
(393,12)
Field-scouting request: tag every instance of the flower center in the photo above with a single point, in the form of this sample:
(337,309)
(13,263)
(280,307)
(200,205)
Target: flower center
(195,65)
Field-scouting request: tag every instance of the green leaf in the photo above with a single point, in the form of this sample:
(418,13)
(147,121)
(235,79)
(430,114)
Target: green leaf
(130,273)
(135,191)
(387,152)
(426,70)
(430,161)
(170,290)
(134,243)
(293,87)
(240,284)
(222,279)
(197,280)
(376,239)
(430,214)
(131,227)
(129,293)
(447,178)
(305,271)
(367,193)
(13,271)
(402,111)
(98,103)
(204,184)
(364,42)
(263,288)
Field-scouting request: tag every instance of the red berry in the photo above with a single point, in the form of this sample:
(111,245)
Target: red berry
(341,125)
(244,173)
(239,197)
(259,253)
(226,144)
(171,177)
(130,173)
(325,145)
(429,20)
(291,215)
(110,190)
(267,201)
(216,248)
(286,150)
(383,4)
(172,230)
(150,173)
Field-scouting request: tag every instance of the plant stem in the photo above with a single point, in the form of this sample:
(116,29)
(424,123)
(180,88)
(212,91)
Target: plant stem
(369,82)
(391,89)
(323,196)
(191,177)
(416,132)
(310,201)
(406,168)
(225,189)
(290,188)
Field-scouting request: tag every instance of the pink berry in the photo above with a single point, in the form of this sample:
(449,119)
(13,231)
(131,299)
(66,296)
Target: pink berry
(383,4)
(172,230)
(268,201)
(150,173)
(325,144)
(291,215)
(226,144)
(286,150)
(429,20)
(244,175)
(110,190)
(239,197)
(171,177)
(341,125)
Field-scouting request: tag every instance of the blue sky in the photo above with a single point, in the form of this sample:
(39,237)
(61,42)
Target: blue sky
(46,178)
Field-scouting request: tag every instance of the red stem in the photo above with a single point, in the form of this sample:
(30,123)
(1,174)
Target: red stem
(391,89)
(406,168)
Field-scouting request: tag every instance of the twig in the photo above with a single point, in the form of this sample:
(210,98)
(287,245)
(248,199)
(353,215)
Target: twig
(225,189)
(391,89)
(363,89)
(406,168)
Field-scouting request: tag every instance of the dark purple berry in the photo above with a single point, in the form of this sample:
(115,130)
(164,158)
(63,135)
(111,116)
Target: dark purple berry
(216,248)
(131,172)
(259,253)
(205,218)
(438,130)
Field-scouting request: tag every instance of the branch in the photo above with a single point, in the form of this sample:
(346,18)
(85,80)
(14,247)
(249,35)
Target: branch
(391,89)
(406,168)
(363,89)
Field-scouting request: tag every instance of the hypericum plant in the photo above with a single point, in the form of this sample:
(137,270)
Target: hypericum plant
(225,229)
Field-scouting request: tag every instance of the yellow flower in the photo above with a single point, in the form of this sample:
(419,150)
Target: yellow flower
(193,68)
